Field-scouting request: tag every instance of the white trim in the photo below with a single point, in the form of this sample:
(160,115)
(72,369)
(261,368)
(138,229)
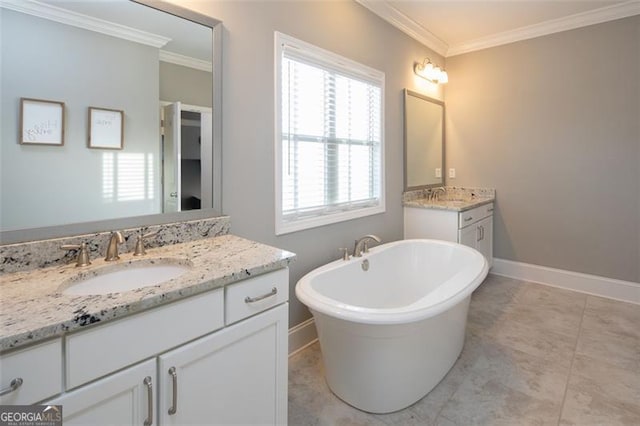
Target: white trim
(626,291)
(187,107)
(416,31)
(79,20)
(406,25)
(283,227)
(185,61)
(579,20)
(292,45)
(302,336)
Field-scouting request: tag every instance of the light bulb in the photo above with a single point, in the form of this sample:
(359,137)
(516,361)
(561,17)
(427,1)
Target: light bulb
(435,73)
(427,72)
(444,77)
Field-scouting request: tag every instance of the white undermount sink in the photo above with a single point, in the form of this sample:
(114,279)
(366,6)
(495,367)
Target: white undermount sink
(124,277)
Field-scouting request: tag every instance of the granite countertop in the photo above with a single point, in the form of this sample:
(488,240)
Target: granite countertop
(454,198)
(33,308)
(458,205)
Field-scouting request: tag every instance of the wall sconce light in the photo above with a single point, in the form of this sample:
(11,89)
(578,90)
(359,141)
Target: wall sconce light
(427,70)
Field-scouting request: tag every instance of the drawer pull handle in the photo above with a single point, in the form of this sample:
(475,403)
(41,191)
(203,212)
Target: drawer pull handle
(273,292)
(468,219)
(149,385)
(174,404)
(490,210)
(13,385)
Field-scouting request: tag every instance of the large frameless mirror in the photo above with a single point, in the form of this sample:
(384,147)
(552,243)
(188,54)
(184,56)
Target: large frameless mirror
(133,131)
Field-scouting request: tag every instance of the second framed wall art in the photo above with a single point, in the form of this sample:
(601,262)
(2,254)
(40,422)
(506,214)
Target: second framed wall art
(106,128)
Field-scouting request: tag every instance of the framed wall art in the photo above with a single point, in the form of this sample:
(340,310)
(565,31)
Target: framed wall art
(41,122)
(106,128)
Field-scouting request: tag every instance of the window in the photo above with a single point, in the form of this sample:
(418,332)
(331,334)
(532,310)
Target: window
(329,137)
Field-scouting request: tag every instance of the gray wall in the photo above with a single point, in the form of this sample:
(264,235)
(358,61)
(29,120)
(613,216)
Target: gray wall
(184,84)
(51,185)
(345,28)
(553,124)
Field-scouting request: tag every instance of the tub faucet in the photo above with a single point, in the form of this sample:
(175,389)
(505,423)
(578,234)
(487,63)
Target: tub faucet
(361,245)
(112,247)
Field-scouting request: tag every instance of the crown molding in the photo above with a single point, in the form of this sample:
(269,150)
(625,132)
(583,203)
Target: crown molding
(185,61)
(596,16)
(79,20)
(386,11)
(406,25)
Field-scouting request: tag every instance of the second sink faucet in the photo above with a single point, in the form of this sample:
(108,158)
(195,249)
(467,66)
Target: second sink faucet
(361,244)
(433,195)
(112,248)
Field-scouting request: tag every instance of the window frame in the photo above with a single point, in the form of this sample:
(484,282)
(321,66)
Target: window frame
(326,60)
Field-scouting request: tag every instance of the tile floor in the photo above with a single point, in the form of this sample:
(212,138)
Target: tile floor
(534,355)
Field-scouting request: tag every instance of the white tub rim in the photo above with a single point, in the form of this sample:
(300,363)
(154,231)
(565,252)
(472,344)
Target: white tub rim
(415,311)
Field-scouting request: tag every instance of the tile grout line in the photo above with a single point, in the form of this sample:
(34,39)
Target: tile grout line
(573,357)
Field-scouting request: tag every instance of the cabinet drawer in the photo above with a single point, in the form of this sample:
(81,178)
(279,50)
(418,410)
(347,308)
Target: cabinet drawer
(99,351)
(255,295)
(39,367)
(469,217)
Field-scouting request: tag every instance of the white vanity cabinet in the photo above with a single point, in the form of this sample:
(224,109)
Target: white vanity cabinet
(189,362)
(473,228)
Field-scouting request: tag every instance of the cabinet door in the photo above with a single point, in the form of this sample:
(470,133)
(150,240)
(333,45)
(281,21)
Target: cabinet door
(237,375)
(469,236)
(119,399)
(485,244)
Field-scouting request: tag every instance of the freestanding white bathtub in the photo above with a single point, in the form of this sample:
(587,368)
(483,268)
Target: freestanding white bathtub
(389,334)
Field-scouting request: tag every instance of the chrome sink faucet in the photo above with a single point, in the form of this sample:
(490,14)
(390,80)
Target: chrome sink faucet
(433,195)
(112,248)
(361,245)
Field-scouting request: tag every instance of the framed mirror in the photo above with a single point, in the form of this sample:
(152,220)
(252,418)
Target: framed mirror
(158,160)
(423,141)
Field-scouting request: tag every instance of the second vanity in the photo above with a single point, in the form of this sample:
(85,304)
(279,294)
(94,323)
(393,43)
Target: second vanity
(462,215)
(208,347)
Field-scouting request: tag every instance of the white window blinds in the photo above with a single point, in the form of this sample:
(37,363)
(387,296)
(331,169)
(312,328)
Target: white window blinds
(330,138)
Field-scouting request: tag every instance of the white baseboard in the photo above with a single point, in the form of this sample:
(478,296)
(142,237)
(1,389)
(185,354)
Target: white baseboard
(625,291)
(301,336)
